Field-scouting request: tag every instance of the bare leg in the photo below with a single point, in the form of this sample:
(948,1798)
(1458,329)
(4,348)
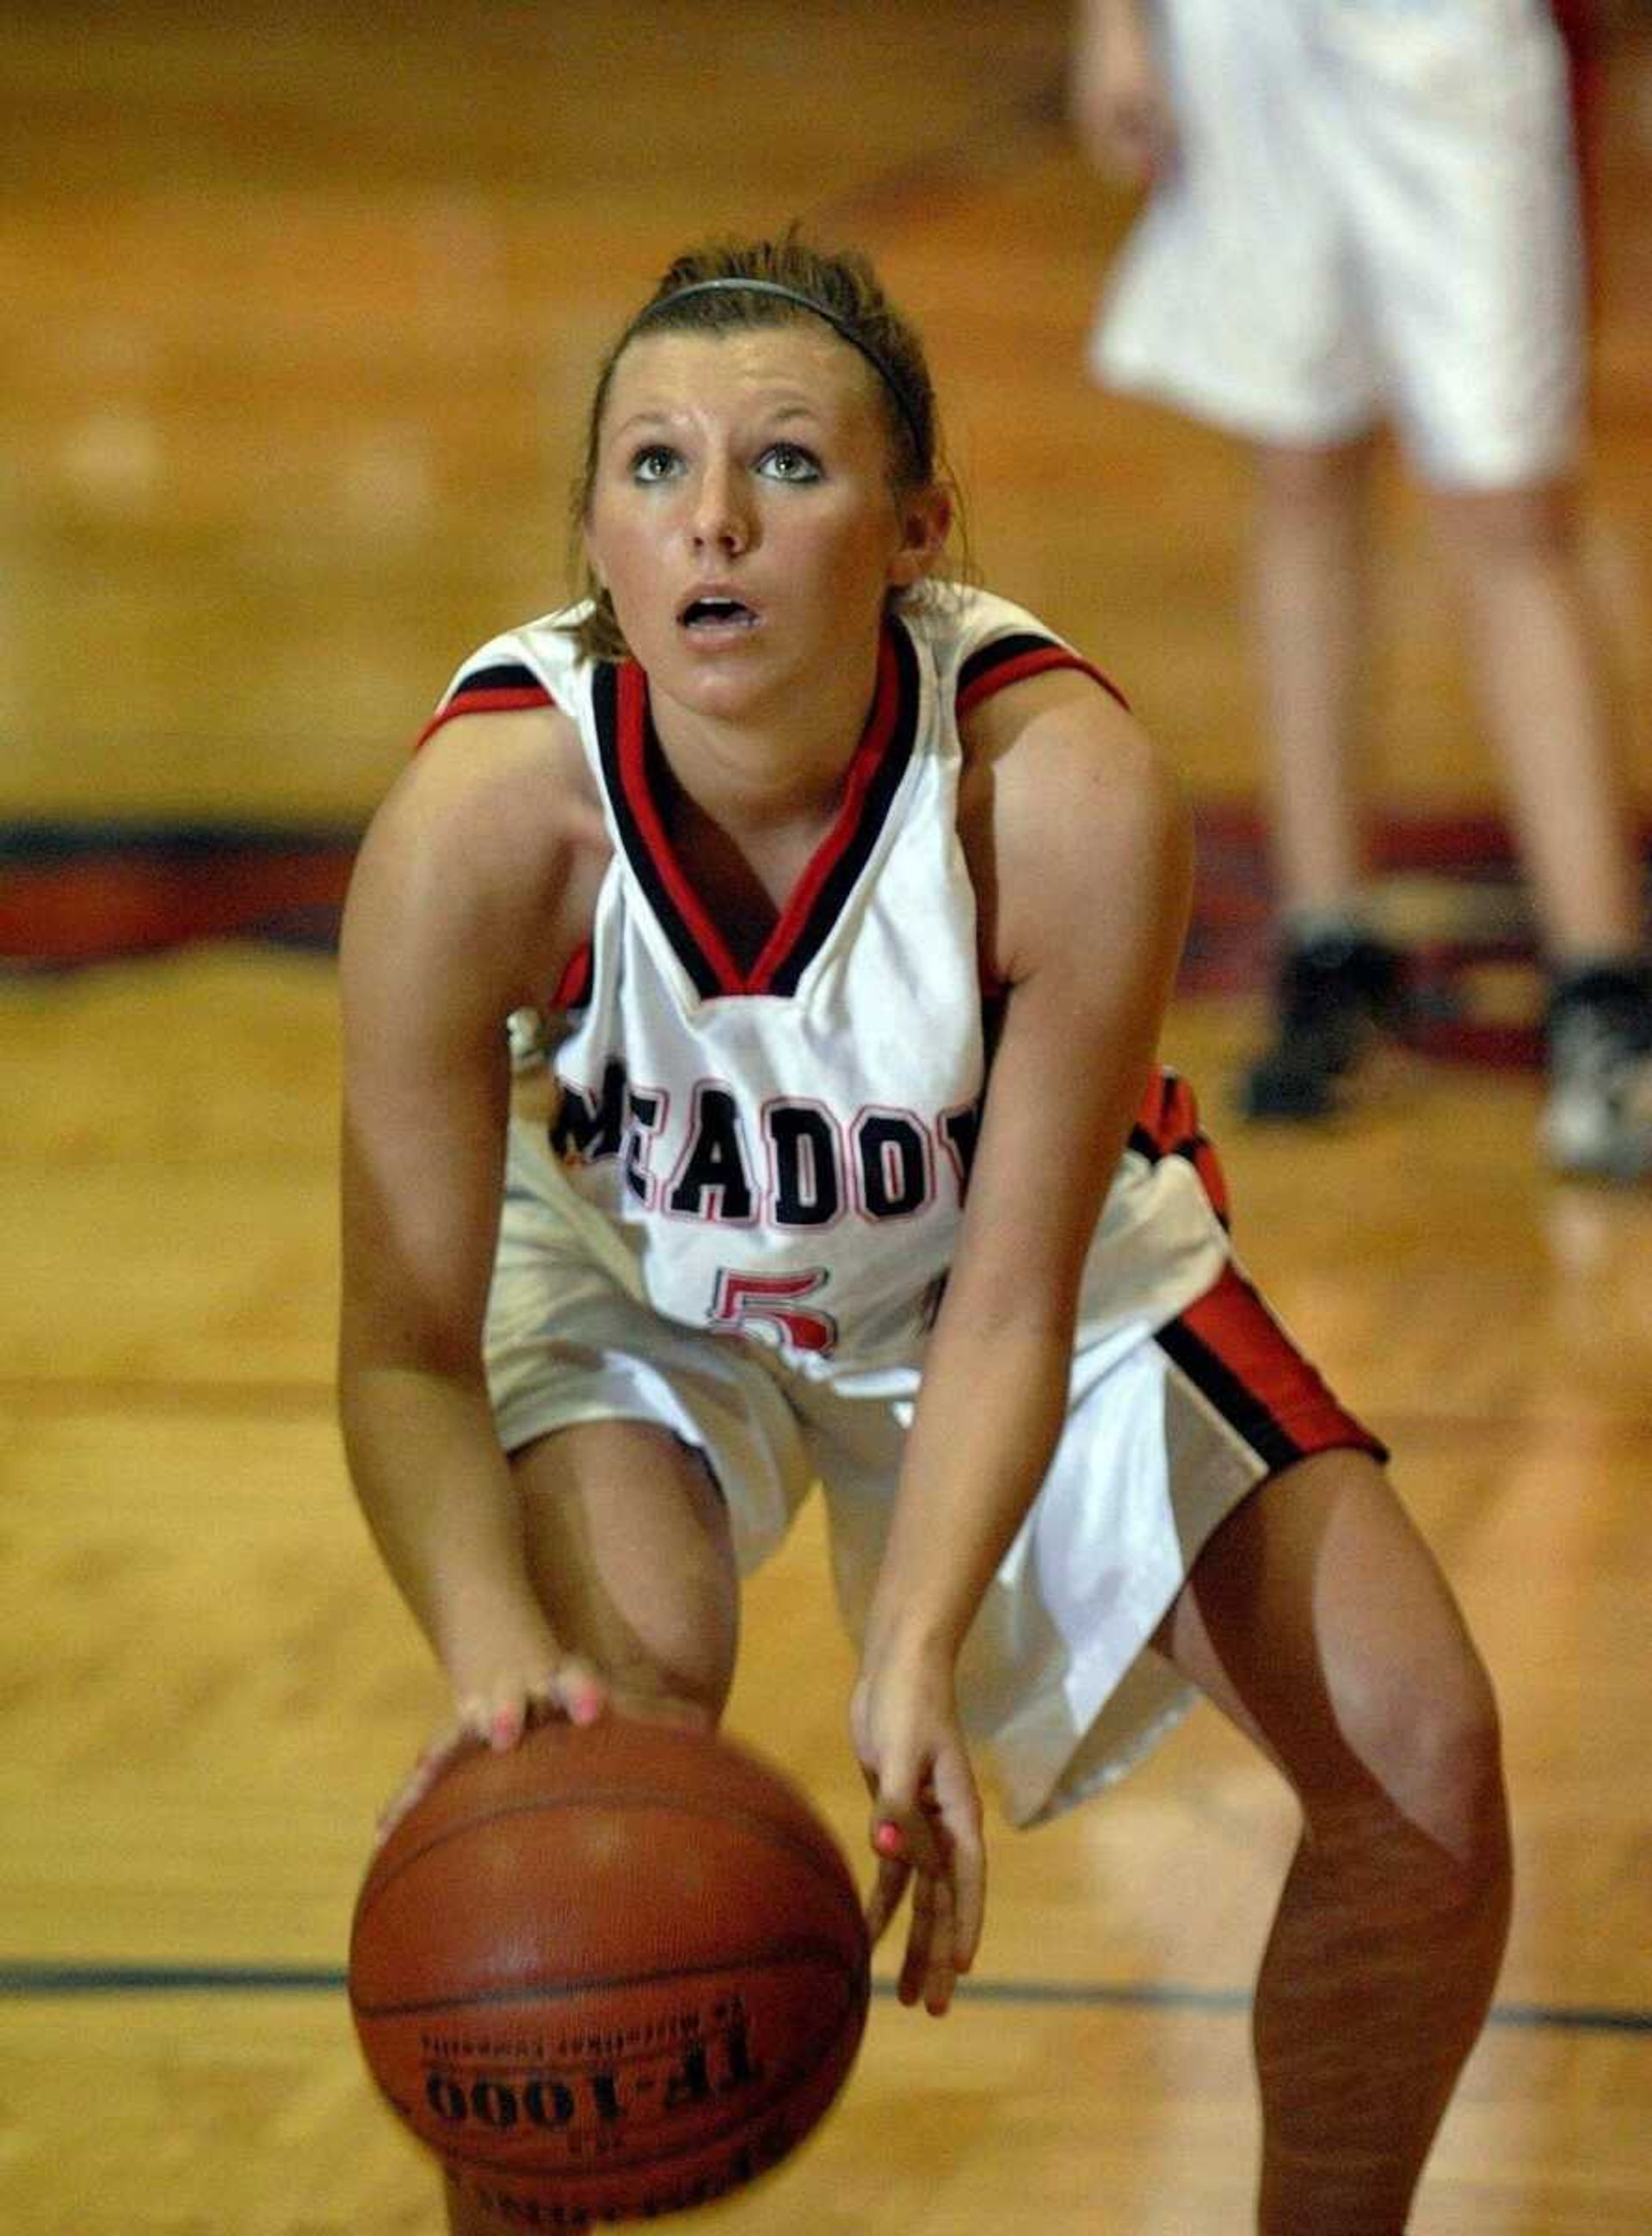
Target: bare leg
(630,1550)
(1310,606)
(1533,643)
(1335,983)
(1318,1620)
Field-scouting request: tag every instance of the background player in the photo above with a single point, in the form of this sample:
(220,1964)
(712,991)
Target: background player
(1362,212)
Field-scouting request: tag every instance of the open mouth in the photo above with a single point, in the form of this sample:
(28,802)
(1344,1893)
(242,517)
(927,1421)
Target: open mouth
(716,613)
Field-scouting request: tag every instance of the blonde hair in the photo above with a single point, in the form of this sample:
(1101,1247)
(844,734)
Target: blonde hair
(725,286)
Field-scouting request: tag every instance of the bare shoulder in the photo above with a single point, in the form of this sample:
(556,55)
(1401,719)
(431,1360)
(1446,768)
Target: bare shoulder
(497,781)
(1070,813)
(491,843)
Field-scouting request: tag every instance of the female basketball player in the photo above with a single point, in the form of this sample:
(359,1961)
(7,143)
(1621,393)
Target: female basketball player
(850,900)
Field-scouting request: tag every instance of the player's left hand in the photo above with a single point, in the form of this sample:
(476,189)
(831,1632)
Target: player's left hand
(926,1828)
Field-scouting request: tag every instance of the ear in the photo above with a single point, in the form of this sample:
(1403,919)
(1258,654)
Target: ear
(925,518)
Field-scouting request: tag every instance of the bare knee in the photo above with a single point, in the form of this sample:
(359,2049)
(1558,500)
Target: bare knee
(1484,530)
(631,1551)
(1303,482)
(1319,1621)
(680,1673)
(1423,1749)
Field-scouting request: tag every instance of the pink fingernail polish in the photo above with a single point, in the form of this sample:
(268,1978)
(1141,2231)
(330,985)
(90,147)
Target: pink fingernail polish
(888,1841)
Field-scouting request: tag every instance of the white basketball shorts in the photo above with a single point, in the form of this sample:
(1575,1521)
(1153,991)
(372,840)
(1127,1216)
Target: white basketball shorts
(1168,1430)
(1372,214)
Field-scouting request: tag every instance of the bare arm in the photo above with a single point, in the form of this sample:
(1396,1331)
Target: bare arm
(465,902)
(1083,855)
(1120,108)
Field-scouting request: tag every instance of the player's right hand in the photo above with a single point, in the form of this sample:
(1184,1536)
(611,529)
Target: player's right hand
(495,1713)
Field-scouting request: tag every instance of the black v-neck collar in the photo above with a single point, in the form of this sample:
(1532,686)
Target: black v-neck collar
(634,774)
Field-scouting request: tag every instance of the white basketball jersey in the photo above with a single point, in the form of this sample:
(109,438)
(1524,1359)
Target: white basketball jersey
(783,1151)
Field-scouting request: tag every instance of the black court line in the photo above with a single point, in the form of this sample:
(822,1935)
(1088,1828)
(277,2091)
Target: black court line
(22,1982)
(66,1395)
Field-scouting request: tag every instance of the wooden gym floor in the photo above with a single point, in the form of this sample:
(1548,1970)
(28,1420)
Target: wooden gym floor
(299,313)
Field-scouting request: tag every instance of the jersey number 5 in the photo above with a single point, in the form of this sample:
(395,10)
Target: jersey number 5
(776,1301)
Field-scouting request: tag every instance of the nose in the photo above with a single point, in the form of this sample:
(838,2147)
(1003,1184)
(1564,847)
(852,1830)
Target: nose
(721,518)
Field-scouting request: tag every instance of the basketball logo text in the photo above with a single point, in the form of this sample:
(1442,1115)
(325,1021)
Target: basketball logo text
(594,2099)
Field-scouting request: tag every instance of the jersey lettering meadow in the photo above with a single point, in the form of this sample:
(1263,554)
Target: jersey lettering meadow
(794,1164)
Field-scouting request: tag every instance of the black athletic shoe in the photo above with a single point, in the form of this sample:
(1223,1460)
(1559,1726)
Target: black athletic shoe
(1334,994)
(1598,1118)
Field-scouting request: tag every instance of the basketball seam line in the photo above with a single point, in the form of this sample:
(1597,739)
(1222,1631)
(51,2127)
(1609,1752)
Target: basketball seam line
(781,1835)
(779,1952)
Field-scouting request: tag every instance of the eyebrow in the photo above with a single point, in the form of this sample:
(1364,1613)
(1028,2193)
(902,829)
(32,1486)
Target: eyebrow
(660,416)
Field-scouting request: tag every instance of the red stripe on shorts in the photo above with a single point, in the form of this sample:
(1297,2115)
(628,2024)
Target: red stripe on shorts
(1235,1353)
(1167,1125)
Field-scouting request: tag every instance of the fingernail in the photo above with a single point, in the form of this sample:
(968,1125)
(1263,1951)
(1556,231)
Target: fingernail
(504,1730)
(888,1840)
(586,1709)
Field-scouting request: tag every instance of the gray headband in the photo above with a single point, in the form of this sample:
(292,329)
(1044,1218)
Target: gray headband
(879,363)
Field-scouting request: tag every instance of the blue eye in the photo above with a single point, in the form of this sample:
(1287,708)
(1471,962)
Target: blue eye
(653,462)
(789,462)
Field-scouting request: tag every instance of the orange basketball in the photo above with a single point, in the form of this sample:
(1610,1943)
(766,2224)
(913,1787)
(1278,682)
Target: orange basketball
(611,1974)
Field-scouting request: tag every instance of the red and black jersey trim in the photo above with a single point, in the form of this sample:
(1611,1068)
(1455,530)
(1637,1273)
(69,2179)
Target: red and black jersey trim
(1011,659)
(505,688)
(634,774)
(1167,1125)
(573,989)
(1235,1352)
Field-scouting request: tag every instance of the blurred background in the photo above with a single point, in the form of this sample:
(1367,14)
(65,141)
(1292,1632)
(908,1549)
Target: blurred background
(302,312)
